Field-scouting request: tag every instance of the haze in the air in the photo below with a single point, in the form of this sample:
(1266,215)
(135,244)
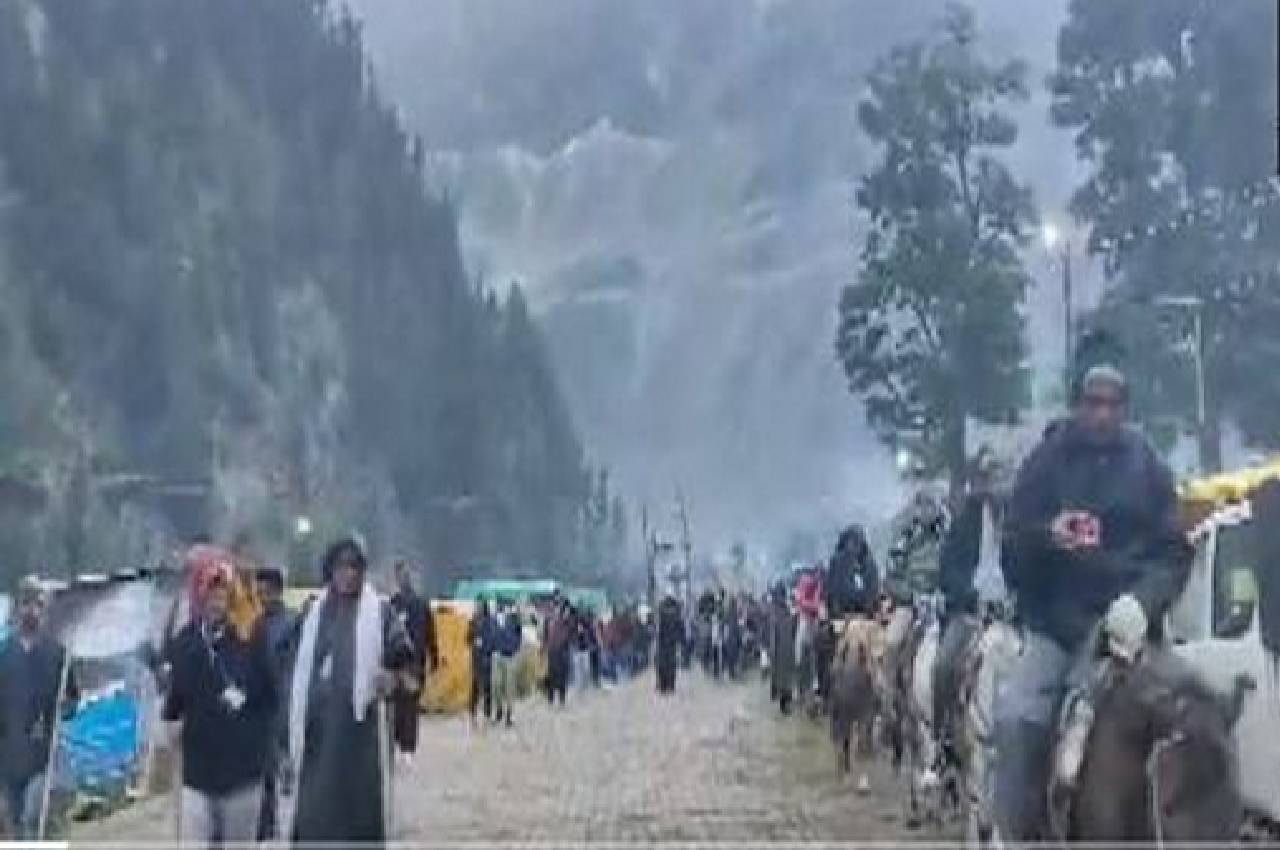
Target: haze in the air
(673,180)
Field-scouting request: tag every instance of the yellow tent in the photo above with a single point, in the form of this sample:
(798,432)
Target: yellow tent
(448,688)
(1198,497)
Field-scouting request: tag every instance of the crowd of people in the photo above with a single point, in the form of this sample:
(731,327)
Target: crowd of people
(576,649)
(289,722)
(1082,555)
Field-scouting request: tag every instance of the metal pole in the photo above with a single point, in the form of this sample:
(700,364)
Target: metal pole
(1201,408)
(1195,306)
(1068,343)
(650,558)
(688,553)
(52,764)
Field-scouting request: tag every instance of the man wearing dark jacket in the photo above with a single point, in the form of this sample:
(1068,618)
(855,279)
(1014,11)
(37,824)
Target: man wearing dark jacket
(853,579)
(31,669)
(670,637)
(1091,537)
(507,638)
(480,634)
(415,616)
(962,551)
(278,628)
(224,690)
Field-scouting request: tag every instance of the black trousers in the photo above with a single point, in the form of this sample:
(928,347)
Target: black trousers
(267,825)
(558,676)
(481,690)
(405,719)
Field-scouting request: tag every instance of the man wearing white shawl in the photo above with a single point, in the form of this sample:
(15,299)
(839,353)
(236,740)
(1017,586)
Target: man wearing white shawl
(337,784)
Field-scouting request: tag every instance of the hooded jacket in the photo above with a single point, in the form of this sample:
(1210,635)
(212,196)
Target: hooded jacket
(1126,485)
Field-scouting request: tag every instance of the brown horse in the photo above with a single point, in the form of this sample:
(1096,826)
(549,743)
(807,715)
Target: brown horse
(1159,765)
(853,699)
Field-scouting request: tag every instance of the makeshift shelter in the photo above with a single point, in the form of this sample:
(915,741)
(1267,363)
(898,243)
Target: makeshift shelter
(448,688)
(592,599)
(1199,497)
(516,590)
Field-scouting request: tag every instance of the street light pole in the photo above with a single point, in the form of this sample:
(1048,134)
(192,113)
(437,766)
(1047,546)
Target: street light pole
(1201,412)
(1053,237)
(1195,306)
(1068,317)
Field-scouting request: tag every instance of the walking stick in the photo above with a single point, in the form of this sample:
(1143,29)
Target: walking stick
(389,773)
(53,745)
(176,781)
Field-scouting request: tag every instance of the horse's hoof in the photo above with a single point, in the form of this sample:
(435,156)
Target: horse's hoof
(864,784)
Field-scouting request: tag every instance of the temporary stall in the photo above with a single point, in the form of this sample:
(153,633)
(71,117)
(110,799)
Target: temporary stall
(448,688)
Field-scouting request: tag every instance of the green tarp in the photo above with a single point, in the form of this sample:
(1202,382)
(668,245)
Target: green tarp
(523,590)
(592,598)
(518,590)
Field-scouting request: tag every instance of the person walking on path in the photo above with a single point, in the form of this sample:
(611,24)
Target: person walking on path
(671,638)
(350,649)
(279,628)
(558,640)
(581,650)
(507,641)
(223,689)
(32,666)
(415,617)
(782,656)
(480,635)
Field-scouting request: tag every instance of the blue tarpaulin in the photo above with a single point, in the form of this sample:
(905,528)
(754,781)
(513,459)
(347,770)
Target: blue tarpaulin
(100,745)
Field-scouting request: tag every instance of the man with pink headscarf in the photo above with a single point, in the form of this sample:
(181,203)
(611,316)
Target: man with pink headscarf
(808,601)
(222,686)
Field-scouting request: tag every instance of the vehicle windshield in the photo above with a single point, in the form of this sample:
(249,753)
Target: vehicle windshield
(1235,588)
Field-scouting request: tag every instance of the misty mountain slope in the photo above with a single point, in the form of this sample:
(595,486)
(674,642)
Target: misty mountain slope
(673,181)
(228,301)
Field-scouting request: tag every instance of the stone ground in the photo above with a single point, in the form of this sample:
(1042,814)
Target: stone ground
(714,763)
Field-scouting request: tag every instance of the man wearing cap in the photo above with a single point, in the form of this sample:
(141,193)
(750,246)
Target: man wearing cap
(1091,537)
(31,669)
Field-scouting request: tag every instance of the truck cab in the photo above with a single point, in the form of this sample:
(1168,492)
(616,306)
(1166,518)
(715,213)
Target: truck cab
(1215,626)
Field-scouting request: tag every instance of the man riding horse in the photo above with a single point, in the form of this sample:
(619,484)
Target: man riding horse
(968,569)
(853,579)
(1091,535)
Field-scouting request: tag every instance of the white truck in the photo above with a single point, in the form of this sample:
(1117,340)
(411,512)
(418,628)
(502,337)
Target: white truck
(1215,625)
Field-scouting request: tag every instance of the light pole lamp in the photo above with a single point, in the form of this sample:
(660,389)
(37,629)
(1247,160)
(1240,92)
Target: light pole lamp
(1053,238)
(1195,307)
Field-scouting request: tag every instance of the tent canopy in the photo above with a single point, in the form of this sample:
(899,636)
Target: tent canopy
(1199,497)
(518,590)
(526,590)
(592,598)
(1229,486)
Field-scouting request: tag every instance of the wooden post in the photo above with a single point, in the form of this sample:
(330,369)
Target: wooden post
(52,763)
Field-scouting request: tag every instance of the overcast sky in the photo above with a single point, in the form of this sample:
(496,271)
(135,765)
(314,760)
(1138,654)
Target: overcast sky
(672,181)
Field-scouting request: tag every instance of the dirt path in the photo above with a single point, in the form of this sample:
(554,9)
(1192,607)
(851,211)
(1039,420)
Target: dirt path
(716,762)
